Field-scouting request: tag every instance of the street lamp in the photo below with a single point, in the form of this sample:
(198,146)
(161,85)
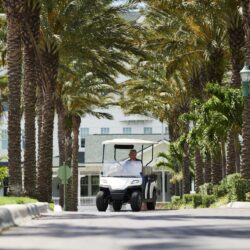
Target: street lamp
(245,78)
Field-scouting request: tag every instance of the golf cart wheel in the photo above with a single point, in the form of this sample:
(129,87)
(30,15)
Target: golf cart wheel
(117,205)
(151,205)
(136,201)
(101,202)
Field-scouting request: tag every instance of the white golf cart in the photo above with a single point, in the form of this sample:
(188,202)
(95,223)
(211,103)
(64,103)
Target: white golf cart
(124,181)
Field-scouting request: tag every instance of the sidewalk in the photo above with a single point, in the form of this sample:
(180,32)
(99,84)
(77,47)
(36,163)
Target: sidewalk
(14,215)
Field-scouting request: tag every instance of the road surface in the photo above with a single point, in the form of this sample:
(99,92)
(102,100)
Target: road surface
(198,229)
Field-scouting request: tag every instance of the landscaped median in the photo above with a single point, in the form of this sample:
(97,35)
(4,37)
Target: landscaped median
(16,214)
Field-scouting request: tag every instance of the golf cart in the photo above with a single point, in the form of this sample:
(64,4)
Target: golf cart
(126,181)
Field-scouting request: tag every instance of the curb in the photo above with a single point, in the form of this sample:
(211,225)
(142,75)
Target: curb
(238,204)
(14,215)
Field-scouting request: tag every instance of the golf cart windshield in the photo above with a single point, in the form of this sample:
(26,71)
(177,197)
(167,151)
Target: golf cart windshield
(125,168)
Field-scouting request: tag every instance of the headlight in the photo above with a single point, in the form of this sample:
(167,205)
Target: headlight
(135,182)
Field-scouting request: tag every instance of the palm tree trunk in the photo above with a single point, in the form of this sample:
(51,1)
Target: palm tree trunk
(186,172)
(30,31)
(61,141)
(199,180)
(14,61)
(49,71)
(231,154)
(216,173)
(237,147)
(245,166)
(236,43)
(223,158)
(75,152)
(68,159)
(208,168)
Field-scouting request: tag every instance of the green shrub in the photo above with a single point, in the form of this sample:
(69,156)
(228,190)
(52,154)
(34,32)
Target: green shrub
(220,190)
(207,200)
(194,199)
(187,198)
(3,174)
(206,189)
(197,200)
(176,203)
(248,196)
(238,189)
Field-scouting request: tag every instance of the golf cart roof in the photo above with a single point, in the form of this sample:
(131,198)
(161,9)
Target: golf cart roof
(124,141)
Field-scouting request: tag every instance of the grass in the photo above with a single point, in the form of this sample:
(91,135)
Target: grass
(220,202)
(181,205)
(16,200)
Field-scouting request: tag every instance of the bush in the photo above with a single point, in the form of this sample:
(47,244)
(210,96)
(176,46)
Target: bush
(238,190)
(248,196)
(194,199)
(187,198)
(3,174)
(220,190)
(207,200)
(206,189)
(176,203)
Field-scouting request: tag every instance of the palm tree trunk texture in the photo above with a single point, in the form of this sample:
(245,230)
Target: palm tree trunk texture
(173,131)
(231,154)
(75,152)
(215,66)
(61,141)
(245,166)
(216,173)
(186,171)
(49,71)
(207,168)
(68,159)
(31,26)
(46,146)
(223,158)
(199,180)
(237,147)
(236,38)
(14,62)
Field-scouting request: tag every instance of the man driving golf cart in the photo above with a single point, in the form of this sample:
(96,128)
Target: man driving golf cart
(126,180)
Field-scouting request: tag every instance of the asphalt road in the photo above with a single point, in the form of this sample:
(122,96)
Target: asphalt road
(183,229)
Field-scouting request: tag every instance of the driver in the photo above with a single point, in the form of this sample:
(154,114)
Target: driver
(132,166)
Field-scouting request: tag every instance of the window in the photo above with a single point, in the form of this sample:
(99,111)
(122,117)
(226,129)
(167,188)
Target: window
(104,131)
(147,130)
(81,157)
(84,186)
(94,185)
(4,138)
(127,130)
(84,133)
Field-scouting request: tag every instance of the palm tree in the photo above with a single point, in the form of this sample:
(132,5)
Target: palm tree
(245,166)
(30,35)
(14,61)
(49,62)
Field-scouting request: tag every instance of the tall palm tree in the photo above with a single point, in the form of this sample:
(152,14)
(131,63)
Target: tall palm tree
(49,62)
(14,61)
(245,166)
(30,36)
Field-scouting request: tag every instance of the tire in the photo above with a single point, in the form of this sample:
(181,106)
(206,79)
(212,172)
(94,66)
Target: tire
(136,201)
(101,202)
(151,205)
(117,205)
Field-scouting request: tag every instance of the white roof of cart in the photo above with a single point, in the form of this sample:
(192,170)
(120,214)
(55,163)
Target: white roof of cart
(124,141)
